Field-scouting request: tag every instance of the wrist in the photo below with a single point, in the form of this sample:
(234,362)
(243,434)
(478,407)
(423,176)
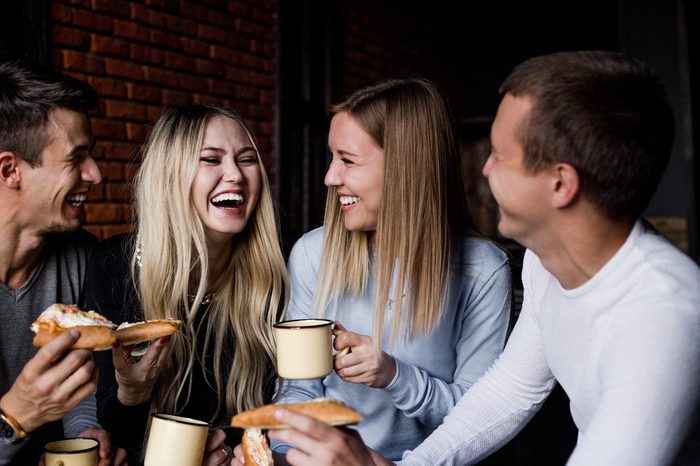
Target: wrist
(132,397)
(21,424)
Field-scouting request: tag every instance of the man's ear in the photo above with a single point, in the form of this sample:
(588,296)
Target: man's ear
(9,170)
(567,184)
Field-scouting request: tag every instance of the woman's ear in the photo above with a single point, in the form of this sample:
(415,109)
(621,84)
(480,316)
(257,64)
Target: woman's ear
(9,172)
(567,184)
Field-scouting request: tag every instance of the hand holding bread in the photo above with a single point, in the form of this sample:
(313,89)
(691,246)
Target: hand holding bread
(255,448)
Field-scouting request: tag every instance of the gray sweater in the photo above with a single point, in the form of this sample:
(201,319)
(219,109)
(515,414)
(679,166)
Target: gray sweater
(59,278)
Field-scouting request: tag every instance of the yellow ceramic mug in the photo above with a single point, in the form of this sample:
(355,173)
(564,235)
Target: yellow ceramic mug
(175,441)
(305,348)
(72,452)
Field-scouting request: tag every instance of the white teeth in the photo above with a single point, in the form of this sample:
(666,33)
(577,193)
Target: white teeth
(76,199)
(347,200)
(228,197)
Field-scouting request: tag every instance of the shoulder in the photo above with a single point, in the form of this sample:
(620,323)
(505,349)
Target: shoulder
(116,248)
(80,242)
(472,253)
(309,246)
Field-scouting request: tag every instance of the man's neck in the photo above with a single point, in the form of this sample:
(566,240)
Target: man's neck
(581,247)
(20,251)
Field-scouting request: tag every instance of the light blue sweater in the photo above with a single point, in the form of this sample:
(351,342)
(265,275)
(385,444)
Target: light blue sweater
(434,370)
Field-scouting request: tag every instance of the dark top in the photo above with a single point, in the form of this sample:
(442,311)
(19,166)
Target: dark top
(59,277)
(110,291)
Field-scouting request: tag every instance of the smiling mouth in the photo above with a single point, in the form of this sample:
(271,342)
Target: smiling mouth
(228,200)
(76,200)
(349,200)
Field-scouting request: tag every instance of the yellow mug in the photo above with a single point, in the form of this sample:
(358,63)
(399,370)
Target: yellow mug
(72,452)
(175,441)
(305,348)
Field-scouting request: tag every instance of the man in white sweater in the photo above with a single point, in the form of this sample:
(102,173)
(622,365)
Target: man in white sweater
(611,309)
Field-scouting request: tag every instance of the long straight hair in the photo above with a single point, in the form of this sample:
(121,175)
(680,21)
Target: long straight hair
(421,208)
(173,260)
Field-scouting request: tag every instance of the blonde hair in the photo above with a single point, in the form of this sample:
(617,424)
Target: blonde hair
(173,259)
(422,206)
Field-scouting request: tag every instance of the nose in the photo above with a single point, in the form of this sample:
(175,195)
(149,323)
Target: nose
(487,167)
(89,171)
(231,171)
(333,177)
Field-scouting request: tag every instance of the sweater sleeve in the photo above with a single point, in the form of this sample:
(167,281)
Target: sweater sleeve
(484,318)
(109,291)
(81,417)
(302,278)
(497,406)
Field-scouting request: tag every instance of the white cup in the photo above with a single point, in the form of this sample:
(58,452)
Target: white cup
(72,452)
(305,348)
(175,441)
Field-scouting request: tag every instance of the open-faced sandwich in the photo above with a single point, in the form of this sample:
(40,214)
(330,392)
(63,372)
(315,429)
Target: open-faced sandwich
(96,331)
(255,448)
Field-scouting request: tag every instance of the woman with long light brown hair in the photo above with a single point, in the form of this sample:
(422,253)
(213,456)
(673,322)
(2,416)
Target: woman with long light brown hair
(205,250)
(424,300)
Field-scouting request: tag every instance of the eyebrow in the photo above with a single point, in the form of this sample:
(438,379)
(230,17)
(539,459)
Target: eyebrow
(82,148)
(220,150)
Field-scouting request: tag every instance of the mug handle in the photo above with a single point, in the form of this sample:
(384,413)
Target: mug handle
(345,350)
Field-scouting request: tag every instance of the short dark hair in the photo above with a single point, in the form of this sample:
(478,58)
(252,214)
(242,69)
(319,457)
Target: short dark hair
(604,114)
(28,94)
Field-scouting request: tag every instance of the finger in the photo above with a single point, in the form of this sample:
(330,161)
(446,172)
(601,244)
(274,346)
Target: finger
(101,436)
(339,326)
(121,356)
(52,352)
(215,440)
(296,457)
(156,354)
(82,378)
(120,457)
(238,457)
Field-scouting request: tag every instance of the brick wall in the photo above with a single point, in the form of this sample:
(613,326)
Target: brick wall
(142,54)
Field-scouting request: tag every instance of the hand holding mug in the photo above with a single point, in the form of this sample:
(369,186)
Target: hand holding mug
(305,348)
(365,364)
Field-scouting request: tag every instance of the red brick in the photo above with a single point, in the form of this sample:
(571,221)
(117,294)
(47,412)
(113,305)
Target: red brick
(164,39)
(119,192)
(146,54)
(138,12)
(124,69)
(238,42)
(194,46)
(70,37)
(213,34)
(80,61)
(142,93)
(179,62)
(130,170)
(222,20)
(153,112)
(104,213)
(209,68)
(136,132)
(91,21)
(181,25)
(120,150)
(110,6)
(124,110)
(189,10)
(60,13)
(109,46)
(130,30)
(192,82)
(156,18)
(95,230)
(224,54)
(158,76)
(107,87)
(251,61)
(221,87)
(108,129)
(176,97)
